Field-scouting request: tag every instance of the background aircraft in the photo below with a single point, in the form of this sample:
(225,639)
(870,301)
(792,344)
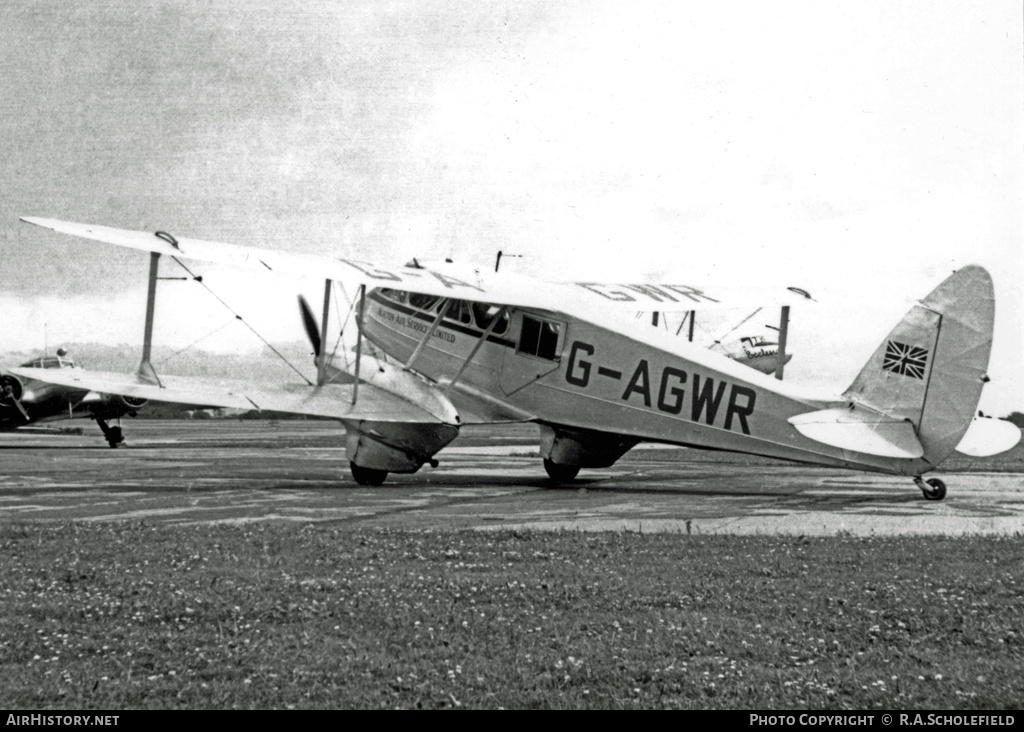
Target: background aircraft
(761,352)
(758,352)
(25,401)
(468,346)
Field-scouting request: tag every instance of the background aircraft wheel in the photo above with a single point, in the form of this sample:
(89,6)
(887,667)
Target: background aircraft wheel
(938,491)
(368,476)
(115,437)
(560,473)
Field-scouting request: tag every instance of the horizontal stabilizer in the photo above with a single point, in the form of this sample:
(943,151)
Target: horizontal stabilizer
(330,400)
(986,437)
(860,430)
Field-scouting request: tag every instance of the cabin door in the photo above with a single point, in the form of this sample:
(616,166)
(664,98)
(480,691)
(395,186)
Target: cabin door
(536,353)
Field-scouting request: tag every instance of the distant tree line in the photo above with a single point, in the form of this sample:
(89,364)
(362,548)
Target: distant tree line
(182,411)
(1017,418)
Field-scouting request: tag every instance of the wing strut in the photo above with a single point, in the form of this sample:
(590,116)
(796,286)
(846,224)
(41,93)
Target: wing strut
(692,316)
(321,369)
(426,336)
(476,346)
(783,332)
(359,339)
(146,372)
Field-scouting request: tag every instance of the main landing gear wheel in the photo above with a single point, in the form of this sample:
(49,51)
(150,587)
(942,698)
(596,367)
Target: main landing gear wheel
(116,437)
(936,490)
(368,476)
(113,435)
(560,473)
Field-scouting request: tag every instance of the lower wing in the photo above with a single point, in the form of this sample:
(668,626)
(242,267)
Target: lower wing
(334,401)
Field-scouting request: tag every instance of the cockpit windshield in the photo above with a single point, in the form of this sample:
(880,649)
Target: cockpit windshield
(49,362)
(460,311)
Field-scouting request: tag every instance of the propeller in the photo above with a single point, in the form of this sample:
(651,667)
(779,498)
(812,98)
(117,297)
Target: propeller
(310,324)
(322,360)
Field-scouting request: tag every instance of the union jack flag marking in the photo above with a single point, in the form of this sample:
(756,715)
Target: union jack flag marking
(905,360)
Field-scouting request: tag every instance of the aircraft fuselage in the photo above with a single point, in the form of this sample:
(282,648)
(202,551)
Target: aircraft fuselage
(571,373)
(39,401)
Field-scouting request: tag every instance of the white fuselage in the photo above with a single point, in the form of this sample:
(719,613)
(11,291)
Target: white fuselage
(562,371)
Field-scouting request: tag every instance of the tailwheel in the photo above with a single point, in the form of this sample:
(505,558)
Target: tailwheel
(560,473)
(368,476)
(936,490)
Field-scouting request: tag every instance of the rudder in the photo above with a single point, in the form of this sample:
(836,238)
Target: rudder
(931,368)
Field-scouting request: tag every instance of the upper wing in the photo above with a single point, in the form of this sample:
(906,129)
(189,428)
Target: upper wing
(330,400)
(580,299)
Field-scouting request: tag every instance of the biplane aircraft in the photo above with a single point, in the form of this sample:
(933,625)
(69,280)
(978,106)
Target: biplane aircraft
(759,352)
(469,346)
(28,402)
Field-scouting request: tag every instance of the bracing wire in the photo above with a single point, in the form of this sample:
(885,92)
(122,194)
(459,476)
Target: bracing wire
(689,314)
(193,343)
(719,340)
(242,320)
(344,323)
(352,303)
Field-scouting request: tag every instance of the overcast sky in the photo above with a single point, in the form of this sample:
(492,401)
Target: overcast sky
(875,145)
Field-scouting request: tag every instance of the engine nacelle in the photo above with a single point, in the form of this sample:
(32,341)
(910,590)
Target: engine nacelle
(583,448)
(133,403)
(113,406)
(395,447)
(17,388)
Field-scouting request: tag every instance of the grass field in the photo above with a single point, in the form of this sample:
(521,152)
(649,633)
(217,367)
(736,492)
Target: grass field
(128,615)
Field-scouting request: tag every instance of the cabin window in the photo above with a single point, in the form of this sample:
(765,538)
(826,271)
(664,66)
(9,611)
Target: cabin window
(459,311)
(485,313)
(539,338)
(394,295)
(422,302)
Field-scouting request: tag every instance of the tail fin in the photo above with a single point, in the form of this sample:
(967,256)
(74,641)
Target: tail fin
(930,369)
